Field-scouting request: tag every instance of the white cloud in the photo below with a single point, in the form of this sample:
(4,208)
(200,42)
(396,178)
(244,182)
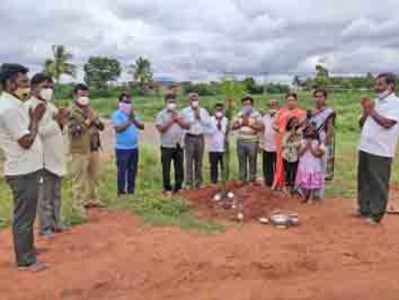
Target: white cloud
(204,39)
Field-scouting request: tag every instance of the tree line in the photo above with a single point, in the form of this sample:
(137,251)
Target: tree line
(101,74)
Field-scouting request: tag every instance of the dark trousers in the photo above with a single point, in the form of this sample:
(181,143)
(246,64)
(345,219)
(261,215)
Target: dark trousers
(127,163)
(194,147)
(50,202)
(374,173)
(175,155)
(216,161)
(269,167)
(25,190)
(290,169)
(247,156)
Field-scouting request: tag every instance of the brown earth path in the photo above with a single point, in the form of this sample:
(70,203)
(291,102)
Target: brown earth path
(330,256)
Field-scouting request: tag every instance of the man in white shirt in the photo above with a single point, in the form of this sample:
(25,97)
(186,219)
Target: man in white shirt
(50,133)
(24,159)
(216,141)
(199,121)
(269,143)
(380,132)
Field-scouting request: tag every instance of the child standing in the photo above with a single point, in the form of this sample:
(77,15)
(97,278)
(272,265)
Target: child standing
(310,177)
(291,145)
(216,142)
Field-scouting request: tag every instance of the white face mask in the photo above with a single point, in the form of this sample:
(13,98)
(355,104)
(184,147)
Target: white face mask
(384,94)
(171,106)
(83,101)
(194,104)
(46,94)
(218,114)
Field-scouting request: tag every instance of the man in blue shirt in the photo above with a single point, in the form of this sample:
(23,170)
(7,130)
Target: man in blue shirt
(127,128)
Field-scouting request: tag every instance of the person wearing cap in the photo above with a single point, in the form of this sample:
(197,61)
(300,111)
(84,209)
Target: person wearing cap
(84,128)
(171,125)
(127,125)
(248,124)
(23,151)
(199,123)
(54,168)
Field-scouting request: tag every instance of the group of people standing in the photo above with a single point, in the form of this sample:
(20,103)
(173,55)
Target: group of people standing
(298,149)
(305,142)
(33,134)
(297,146)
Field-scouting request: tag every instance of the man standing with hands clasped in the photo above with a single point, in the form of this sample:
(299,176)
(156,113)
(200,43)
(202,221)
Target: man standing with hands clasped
(127,126)
(199,123)
(248,125)
(171,126)
(54,164)
(24,159)
(84,126)
(380,131)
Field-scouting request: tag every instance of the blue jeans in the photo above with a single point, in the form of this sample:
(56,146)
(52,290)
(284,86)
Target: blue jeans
(127,163)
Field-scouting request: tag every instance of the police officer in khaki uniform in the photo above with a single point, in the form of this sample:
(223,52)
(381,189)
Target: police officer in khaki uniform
(84,134)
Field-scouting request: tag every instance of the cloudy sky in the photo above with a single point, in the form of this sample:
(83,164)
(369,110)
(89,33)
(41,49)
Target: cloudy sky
(203,39)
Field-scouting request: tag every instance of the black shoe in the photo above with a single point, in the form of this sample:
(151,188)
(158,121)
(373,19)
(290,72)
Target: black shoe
(47,234)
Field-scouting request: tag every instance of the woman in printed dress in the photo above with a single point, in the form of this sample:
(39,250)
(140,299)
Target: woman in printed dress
(324,119)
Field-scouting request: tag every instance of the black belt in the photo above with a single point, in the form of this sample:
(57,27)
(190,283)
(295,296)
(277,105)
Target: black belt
(194,135)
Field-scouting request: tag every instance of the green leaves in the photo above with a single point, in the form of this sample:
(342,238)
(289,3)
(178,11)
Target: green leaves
(59,65)
(99,71)
(141,71)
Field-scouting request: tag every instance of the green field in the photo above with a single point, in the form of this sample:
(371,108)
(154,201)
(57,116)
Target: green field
(155,209)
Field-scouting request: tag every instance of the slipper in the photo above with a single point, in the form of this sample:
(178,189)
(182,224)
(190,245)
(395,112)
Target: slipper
(391,211)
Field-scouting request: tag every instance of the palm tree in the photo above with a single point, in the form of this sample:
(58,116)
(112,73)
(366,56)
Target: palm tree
(142,73)
(59,64)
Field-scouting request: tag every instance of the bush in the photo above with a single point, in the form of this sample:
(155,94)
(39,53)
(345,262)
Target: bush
(203,89)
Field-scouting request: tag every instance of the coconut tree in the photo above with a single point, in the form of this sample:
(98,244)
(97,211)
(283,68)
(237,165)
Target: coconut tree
(59,64)
(142,73)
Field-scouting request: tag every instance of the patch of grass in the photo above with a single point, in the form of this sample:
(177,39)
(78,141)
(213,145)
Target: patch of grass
(5,204)
(148,202)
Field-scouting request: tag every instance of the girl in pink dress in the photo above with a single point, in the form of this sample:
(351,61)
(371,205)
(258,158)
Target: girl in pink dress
(310,174)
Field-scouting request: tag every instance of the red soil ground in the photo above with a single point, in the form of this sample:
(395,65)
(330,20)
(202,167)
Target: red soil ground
(330,256)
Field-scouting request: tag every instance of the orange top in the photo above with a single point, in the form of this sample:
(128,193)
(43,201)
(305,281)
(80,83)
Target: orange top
(282,118)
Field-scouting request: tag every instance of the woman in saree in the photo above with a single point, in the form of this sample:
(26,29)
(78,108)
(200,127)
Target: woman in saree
(324,118)
(288,111)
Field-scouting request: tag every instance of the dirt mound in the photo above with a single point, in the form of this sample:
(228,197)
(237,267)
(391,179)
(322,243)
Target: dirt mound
(254,201)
